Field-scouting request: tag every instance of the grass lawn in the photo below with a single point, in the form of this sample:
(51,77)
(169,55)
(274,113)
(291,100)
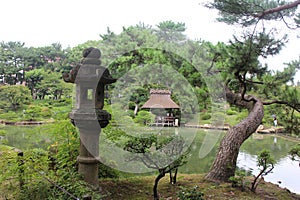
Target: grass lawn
(140,188)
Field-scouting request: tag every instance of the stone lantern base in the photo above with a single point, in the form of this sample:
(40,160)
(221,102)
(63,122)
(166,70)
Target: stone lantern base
(89,124)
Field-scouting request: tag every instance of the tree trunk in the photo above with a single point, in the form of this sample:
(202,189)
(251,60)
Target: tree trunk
(225,163)
(136,108)
(161,174)
(255,182)
(173,179)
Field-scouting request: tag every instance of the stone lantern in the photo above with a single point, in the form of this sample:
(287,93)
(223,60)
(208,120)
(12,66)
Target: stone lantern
(88,114)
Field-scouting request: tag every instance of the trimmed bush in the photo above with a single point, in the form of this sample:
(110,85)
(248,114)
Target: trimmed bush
(144,117)
(205,116)
(231,112)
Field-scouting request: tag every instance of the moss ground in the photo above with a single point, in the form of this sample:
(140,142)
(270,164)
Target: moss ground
(140,188)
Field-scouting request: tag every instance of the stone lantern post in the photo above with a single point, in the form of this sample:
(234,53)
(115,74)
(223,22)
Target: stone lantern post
(88,114)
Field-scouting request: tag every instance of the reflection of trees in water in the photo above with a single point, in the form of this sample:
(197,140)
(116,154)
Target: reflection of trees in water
(196,164)
(279,150)
(27,137)
(278,146)
(23,137)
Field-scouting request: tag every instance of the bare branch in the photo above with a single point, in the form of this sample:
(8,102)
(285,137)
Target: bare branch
(254,82)
(209,70)
(287,25)
(295,107)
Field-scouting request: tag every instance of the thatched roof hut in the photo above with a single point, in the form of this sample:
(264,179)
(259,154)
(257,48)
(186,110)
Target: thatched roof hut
(166,111)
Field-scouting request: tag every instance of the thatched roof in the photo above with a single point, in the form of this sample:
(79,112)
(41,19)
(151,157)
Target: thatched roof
(160,99)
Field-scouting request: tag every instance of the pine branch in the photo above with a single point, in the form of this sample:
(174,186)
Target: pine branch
(255,82)
(278,9)
(295,107)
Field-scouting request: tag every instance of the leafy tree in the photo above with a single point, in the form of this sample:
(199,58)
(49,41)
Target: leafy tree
(33,59)
(144,117)
(33,79)
(155,67)
(53,86)
(295,152)
(171,31)
(138,96)
(14,96)
(53,57)
(42,83)
(108,35)
(265,161)
(12,62)
(16,60)
(117,48)
(289,117)
(156,152)
(245,78)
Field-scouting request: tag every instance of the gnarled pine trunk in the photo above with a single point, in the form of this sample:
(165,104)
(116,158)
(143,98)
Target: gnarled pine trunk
(225,163)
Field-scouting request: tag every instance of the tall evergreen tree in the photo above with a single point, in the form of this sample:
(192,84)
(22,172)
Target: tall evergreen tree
(245,77)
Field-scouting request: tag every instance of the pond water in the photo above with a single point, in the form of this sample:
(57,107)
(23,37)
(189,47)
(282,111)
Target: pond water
(26,137)
(286,172)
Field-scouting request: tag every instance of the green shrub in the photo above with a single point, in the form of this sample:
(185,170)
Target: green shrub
(131,105)
(107,172)
(239,180)
(190,194)
(231,112)
(46,112)
(205,116)
(144,117)
(2,132)
(32,112)
(130,113)
(10,116)
(46,174)
(295,152)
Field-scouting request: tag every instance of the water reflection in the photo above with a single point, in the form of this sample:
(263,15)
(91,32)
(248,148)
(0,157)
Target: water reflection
(285,169)
(285,172)
(276,144)
(203,151)
(202,154)
(27,137)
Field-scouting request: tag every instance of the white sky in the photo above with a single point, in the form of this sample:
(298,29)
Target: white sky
(43,22)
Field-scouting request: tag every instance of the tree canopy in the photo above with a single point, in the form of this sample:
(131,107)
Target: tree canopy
(249,84)
(249,12)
